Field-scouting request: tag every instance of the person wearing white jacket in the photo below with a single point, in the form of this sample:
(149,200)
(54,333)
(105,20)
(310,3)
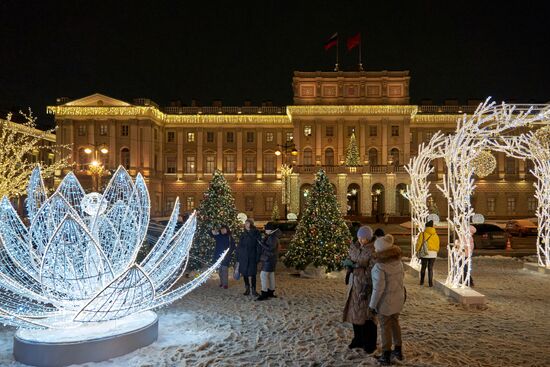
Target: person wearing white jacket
(388,296)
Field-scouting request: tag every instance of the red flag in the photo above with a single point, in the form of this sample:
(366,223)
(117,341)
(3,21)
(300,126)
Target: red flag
(331,42)
(353,41)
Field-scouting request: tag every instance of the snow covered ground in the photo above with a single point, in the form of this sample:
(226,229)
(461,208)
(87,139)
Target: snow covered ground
(216,327)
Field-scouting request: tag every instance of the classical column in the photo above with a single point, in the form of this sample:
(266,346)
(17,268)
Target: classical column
(279,158)
(390,193)
(362,138)
(114,150)
(342,191)
(219,152)
(366,198)
(521,170)
(200,159)
(340,145)
(501,158)
(384,152)
(259,156)
(294,193)
(239,154)
(318,145)
(406,141)
(134,146)
(179,140)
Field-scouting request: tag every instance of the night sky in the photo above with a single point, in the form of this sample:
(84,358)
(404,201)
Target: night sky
(232,50)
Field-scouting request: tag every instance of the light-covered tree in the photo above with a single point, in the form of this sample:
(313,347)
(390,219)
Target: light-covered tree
(353,159)
(275,212)
(21,145)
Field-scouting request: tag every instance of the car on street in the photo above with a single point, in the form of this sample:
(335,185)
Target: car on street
(521,227)
(489,236)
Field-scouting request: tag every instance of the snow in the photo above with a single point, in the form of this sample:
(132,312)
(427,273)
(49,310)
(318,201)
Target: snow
(89,331)
(303,327)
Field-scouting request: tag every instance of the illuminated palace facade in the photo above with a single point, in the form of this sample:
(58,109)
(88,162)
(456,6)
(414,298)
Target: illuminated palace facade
(178,148)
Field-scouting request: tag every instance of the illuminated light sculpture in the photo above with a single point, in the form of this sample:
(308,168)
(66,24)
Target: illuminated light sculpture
(76,263)
(484,163)
(418,192)
(473,134)
(536,147)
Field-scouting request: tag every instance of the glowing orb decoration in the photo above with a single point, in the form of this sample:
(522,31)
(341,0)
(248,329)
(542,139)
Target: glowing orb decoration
(242,217)
(478,219)
(484,163)
(75,264)
(543,136)
(434,218)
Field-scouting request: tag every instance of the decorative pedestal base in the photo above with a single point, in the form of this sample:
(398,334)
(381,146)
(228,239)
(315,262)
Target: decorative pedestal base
(88,343)
(464,296)
(536,267)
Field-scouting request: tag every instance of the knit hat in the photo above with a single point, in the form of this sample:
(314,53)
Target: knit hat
(270,226)
(430,223)
(383,243)
(365,232)
(379,232)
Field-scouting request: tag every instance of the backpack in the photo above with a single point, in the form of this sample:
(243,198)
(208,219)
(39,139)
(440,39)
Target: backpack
(423,252)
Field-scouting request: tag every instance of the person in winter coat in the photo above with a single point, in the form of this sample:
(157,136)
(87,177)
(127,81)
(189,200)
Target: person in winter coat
(270,245)
(224,240)
(428,261)
(248,256)
(359,294)
(388,296)
(468,251)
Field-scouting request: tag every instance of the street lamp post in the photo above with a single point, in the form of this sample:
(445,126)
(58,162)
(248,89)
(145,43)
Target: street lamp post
(96,167)
(286,171)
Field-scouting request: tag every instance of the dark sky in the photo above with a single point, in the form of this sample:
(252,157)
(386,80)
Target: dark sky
(233,50)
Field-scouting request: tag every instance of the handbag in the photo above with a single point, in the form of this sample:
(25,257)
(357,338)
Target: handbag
(236,273)
(423,252)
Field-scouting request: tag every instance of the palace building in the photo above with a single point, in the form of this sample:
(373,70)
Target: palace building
(178,148)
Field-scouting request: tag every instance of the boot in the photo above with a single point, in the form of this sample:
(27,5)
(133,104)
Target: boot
(422,279)
(397,353)
(357,341)
(369,337)
(263,296)
(270,293)
(385,358)
(247,291)
(254,293)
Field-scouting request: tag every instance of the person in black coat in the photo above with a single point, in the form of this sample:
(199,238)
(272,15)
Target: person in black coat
(224,241)
(248,256)
(270,245)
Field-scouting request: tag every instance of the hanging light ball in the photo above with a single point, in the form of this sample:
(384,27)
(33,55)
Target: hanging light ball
(543,136)
(484,163)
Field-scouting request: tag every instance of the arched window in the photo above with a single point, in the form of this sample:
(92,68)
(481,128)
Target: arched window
(394,156)
(329,157)
(373,156)
(125,158)
(308,157)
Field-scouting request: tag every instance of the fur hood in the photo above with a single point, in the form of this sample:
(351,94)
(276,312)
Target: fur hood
(391,254)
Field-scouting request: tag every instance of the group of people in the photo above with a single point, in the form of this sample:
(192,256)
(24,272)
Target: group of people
(376,293)
(252,249)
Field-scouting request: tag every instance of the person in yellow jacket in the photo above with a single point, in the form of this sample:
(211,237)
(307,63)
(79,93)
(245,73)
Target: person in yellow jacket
(428,260)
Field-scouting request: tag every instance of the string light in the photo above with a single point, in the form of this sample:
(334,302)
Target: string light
(484,163)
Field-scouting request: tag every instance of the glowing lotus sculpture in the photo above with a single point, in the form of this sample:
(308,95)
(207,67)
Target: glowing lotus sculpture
(76,261)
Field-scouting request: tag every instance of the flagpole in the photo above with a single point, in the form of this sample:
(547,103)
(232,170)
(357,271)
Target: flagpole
(360,47)
(337,52)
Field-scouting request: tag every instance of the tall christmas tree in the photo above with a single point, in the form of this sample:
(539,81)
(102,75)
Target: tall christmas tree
(353,158)
(322,237)
(216,208)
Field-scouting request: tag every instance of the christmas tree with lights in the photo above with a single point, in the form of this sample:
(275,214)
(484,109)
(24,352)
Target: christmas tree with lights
(353,158)
(322,237)
(216,209)
(275,212)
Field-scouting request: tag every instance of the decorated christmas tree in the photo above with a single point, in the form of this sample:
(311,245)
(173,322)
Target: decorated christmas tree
(216,208)
(353,158)
(322,237)
(275,212)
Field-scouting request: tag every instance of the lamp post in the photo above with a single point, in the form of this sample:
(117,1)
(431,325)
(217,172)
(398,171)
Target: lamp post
(286,171)
(95,166)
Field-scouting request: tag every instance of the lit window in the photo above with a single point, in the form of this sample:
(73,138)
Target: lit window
(250,136)
(269,137)
(190,163)
(531,205)
(308,157)
(511,205)
(491,204)
(170,201)
(229,163)
(210,165)
(269,203)
(250,164)
(230,137)
(190,137)
(124,130)
(395,130)
(373,130)
(81,130)
(190,203)
(171,164)
(289,136)
(269,163)
(249,203)
(209,136)
(307,130)
(102,130)
(125,157)
(329,131)
(171,136)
